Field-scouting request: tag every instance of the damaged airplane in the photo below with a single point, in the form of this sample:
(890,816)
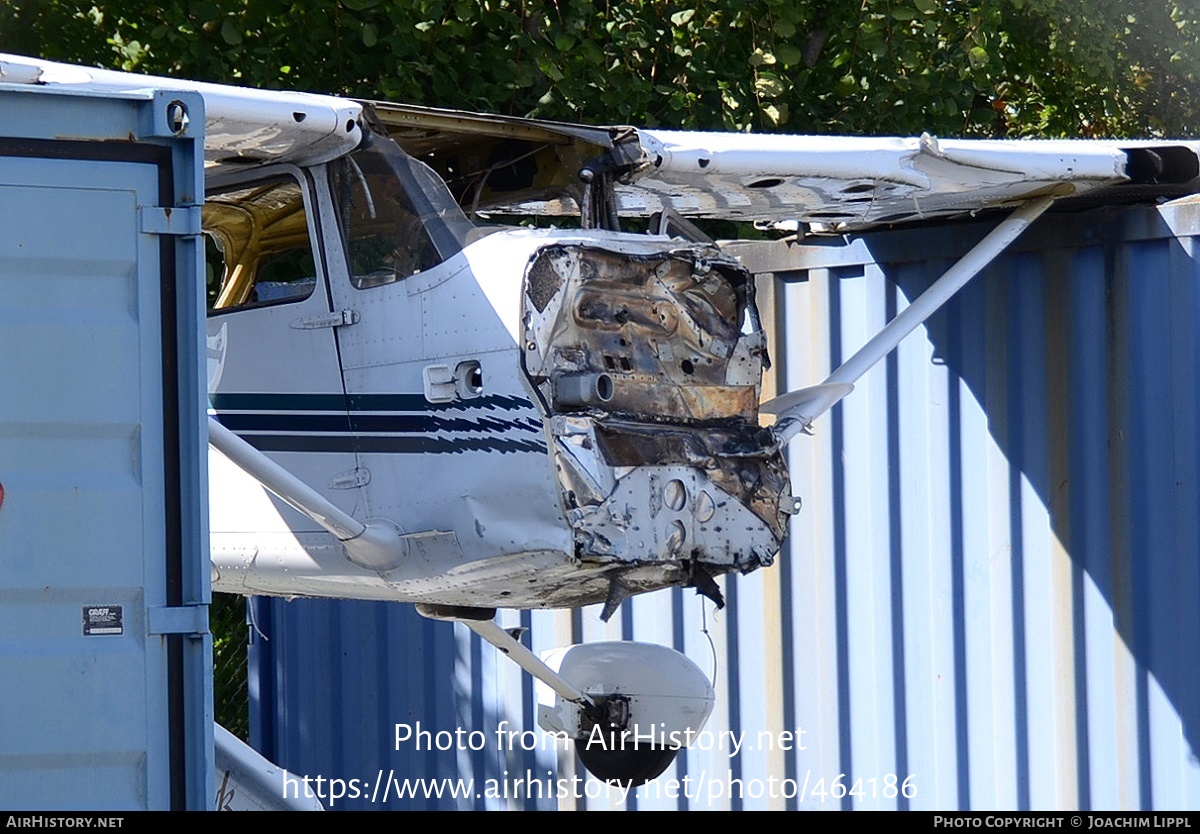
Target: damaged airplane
(412,401)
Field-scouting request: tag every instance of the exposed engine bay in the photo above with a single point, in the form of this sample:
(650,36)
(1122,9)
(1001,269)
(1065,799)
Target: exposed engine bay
(649,368)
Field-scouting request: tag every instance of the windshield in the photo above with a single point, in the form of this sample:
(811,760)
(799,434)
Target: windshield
(397,217)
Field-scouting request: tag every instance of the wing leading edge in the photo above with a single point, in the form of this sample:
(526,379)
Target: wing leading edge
(855,182)
(509,165)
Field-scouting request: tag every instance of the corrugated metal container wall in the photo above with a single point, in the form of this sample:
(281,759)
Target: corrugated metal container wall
(987,602)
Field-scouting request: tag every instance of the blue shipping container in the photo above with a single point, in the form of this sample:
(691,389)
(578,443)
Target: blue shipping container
(987,602)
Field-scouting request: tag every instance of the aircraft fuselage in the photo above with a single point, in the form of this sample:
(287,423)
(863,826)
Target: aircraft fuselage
(551,417)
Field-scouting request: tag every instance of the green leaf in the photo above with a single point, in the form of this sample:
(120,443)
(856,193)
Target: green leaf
(902,13)
(776,114)
(593,53)
(789,55)
(846,85)
(926,6)
(977,57)
(369,36)
(769,85)
(230,33)
(784,28)
(680,18)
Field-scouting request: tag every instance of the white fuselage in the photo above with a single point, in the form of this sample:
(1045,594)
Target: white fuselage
(362,392)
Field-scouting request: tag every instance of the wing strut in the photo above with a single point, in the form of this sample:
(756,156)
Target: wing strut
(377,545)
(798,409)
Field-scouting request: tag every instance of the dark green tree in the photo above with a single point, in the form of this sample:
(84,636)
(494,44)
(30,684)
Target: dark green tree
(953,67)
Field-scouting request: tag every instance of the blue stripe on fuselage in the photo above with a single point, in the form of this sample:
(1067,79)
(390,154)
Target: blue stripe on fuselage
(361,402)
(322,423)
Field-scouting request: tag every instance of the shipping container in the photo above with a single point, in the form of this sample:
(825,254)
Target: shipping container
(986,602)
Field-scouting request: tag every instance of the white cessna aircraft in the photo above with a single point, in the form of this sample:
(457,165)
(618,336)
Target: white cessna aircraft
(412,403)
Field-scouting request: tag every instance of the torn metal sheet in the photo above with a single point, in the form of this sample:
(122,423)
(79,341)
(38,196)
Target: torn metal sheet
(490,162)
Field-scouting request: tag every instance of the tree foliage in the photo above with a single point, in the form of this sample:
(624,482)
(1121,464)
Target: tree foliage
(953,67)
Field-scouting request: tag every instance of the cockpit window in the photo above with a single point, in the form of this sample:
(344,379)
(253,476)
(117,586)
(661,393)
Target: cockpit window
(259,251)
(397,216)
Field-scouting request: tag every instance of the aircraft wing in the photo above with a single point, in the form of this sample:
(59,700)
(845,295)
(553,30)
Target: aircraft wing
(510,165)
(507,165)
(854,182)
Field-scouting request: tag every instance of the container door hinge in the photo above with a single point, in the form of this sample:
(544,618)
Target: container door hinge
(183,619)
(159,220)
